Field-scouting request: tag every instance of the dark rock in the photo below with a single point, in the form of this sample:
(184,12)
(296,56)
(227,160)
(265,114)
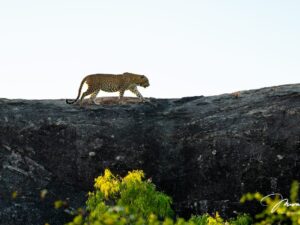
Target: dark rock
(203,151)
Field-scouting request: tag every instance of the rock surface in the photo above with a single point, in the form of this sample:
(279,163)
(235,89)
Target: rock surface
(203,151)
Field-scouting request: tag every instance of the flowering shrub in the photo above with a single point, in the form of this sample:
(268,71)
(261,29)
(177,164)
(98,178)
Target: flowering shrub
(132,200)
(278,210)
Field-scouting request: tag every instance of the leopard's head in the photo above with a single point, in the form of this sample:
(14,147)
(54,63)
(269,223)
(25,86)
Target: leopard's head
(140,80)
(144,82)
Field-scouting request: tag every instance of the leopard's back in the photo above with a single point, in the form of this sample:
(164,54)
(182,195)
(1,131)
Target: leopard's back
(105,82)
(115,82)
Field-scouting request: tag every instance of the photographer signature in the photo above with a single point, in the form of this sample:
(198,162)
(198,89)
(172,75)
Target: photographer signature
(283,201)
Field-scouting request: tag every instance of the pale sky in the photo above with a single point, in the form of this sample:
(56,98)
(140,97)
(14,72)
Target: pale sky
(185,48)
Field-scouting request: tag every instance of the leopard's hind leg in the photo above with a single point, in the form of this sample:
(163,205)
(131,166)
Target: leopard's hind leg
(89,91)
(93,96)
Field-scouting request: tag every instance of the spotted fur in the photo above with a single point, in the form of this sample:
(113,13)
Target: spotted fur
(111,83)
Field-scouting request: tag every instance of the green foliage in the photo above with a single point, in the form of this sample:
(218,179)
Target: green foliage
(242,220)
(278,210)
(199,220)
(132,200)
(294,191)
(140,197)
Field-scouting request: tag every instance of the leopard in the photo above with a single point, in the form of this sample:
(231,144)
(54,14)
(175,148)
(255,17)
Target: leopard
(110,83)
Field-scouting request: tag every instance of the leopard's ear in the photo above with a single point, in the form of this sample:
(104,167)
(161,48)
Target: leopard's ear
(142,76)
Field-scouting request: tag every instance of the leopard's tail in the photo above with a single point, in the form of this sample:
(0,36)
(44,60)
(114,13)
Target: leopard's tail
(69,101)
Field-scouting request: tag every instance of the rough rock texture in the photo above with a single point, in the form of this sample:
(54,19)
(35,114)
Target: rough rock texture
(203,151)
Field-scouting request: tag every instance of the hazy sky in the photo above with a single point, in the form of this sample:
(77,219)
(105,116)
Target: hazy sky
(186,48)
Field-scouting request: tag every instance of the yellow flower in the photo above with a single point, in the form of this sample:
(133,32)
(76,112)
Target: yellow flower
(108,184)
(78,219)
(211,221)
(134,176)
(58,204)
(218,217)
(14,195)
(258,196)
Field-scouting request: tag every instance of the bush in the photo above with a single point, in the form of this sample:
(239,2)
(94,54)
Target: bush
(133,200)
(278,210)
